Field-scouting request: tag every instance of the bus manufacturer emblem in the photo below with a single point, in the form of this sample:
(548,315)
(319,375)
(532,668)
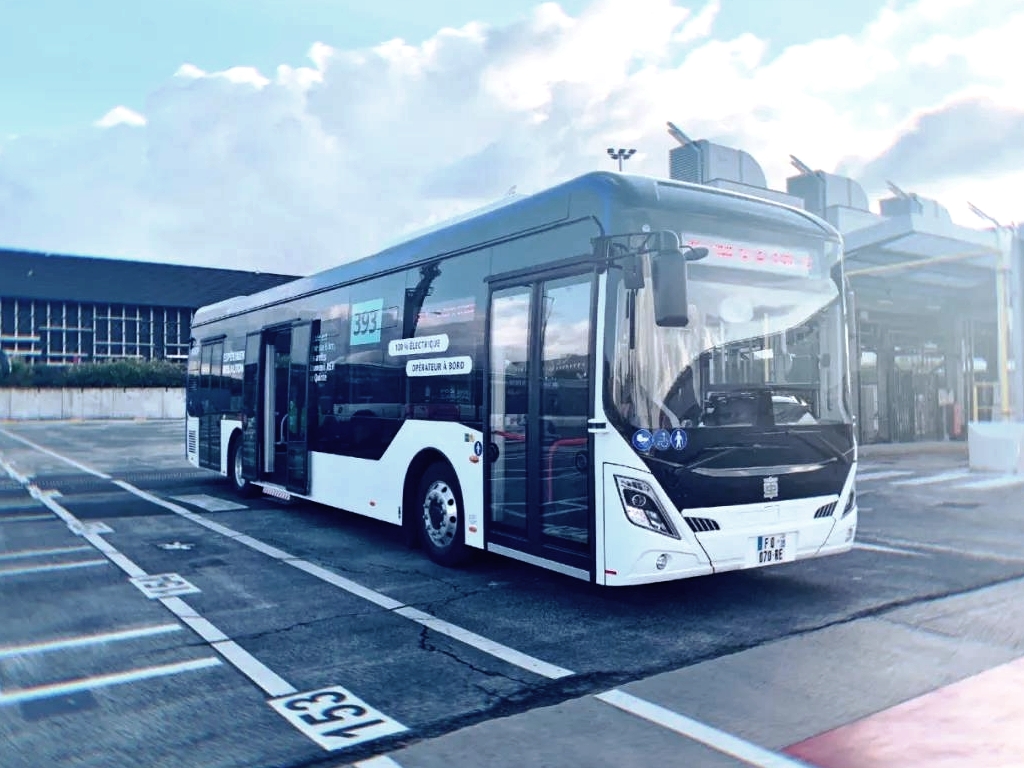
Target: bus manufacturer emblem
(771,487)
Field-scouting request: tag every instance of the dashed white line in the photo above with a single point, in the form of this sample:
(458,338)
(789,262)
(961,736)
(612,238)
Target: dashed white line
(84,640)
(27,569)
(712,737)
(103,681)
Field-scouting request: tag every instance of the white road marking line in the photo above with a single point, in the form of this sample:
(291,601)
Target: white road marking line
(883,474)
(104,681)
(48,568)
(1005,481)
(271,683)
(490,647)
(27,553)
(388,603)
(939,478)
(19,478)
(52,454)
(232,652)
(718,740)
(944,549)
(889,550)
(380,761)
(25,518)
(385,602)
(83,640)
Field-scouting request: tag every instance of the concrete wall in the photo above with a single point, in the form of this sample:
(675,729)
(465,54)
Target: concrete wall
(996,446)
(149,403)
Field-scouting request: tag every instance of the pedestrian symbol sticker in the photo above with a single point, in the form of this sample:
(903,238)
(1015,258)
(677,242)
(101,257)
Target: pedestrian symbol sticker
(678,439)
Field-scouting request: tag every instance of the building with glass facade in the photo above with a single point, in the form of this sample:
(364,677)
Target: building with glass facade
(58,310)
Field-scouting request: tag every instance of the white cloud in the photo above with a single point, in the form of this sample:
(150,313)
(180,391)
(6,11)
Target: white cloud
(309,166)
(120,115)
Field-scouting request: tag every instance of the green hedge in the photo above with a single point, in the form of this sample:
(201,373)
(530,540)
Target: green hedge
(116,374)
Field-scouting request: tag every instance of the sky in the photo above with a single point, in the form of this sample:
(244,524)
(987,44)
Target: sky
(293,135)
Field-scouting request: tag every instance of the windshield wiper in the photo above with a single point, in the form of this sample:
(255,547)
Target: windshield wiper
(821,443)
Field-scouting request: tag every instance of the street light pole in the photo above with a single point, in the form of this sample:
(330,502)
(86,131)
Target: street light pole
(1003,244)
(620,155)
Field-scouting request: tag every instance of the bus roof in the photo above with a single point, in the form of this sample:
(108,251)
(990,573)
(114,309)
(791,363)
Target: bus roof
(593,195)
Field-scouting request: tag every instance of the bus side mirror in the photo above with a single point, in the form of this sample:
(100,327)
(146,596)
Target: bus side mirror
(668,273)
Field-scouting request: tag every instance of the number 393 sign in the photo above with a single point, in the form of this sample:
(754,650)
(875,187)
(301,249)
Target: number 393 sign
(366,317)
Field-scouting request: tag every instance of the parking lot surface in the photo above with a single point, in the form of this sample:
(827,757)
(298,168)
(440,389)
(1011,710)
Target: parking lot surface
(152,619)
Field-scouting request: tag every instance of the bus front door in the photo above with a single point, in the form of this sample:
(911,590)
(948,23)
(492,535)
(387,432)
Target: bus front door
(540,502)
(284,407)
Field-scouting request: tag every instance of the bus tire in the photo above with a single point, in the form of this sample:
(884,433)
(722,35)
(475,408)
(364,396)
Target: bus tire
(241,486)
(440,515)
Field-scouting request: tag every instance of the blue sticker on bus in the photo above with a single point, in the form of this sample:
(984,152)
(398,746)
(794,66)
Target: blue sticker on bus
(678,439)
(642,440)
(661,440)
(478,448)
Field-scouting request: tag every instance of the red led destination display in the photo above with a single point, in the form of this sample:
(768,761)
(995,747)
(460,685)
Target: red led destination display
(764,258)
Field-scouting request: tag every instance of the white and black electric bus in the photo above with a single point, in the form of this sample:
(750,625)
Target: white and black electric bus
(620,378)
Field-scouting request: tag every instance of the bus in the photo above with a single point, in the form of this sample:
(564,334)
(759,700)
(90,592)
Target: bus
(621,378)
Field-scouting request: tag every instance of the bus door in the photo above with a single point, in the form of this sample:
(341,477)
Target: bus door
(539,474)
(283,430)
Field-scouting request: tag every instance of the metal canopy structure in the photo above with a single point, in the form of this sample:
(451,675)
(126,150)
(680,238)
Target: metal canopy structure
(913,263)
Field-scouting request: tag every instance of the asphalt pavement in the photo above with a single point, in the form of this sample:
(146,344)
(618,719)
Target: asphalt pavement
(150,619)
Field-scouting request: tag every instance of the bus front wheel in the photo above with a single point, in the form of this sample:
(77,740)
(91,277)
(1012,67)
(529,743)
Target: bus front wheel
(441,515)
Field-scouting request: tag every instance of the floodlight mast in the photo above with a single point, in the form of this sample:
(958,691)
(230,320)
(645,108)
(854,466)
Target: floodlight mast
(620,155)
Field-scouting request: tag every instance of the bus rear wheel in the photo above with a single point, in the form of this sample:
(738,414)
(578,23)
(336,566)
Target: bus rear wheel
(242,487)
(441,515)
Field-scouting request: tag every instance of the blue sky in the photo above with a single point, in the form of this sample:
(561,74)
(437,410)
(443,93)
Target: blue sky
(65,63)
(109,146)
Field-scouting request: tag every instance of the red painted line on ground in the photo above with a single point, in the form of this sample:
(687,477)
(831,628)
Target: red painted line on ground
(976,722)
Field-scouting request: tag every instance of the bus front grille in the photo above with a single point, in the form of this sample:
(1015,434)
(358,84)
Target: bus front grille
(192,441)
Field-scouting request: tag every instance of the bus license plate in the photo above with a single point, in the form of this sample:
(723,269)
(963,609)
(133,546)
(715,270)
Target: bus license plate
(774,548)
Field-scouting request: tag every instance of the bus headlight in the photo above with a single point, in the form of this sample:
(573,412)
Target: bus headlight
(641,506)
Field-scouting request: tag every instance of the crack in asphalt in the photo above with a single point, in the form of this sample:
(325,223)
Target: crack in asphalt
(426,645)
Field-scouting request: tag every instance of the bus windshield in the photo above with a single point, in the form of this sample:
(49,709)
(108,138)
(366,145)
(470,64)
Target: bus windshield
(765,345)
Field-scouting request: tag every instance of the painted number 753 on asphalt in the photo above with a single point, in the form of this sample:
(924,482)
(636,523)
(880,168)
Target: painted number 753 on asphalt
(335,718)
